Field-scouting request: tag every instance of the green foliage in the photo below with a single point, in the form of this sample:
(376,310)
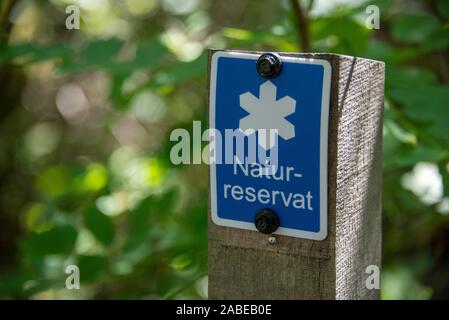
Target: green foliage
(443,8)
(413,28)
(95,186)
(58,240)
(101,226)
(92,267)
(327,27)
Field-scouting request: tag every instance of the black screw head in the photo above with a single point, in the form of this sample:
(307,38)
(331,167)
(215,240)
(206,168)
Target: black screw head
(266,221)
(268,65)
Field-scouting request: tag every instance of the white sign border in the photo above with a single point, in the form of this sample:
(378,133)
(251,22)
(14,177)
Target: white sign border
(322,233)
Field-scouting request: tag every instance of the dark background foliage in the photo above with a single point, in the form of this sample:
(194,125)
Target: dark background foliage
(85,175)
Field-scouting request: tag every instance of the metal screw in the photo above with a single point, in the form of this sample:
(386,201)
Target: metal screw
(269,65)
(266,221)
(272,240)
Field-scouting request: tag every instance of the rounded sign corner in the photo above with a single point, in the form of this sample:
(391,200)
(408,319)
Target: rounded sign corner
(215,219)
(322,235)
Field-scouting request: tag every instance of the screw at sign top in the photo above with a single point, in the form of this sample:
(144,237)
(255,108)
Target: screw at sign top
(269,65)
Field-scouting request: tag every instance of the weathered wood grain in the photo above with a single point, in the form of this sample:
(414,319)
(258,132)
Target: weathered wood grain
(243,265)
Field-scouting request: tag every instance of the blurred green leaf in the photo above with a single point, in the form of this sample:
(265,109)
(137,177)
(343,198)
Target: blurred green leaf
(181,262)
(58,240)
(139,224)
(100,225)
(139,216)
(91,267)
(97,52)
(55,181)
(420,153)
(101,51)
(11,284)
(149,53)
(382,51)
(182,71)
(251,38)
(439,40)
(427,105)
(413,28)
(409,77)
(443,8)
(400,281)
(341,33)
(30,53)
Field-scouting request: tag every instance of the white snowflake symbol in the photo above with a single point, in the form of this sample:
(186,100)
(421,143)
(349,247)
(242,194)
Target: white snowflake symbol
(267,113)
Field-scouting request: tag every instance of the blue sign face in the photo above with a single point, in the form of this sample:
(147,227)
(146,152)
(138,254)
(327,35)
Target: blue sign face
(287,118)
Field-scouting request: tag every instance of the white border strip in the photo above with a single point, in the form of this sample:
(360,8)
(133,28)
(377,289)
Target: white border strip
(320,235)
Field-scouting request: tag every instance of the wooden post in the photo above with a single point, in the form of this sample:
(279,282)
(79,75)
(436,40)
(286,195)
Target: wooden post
(244,265)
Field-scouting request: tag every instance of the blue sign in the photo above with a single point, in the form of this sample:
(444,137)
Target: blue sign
(295,106)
